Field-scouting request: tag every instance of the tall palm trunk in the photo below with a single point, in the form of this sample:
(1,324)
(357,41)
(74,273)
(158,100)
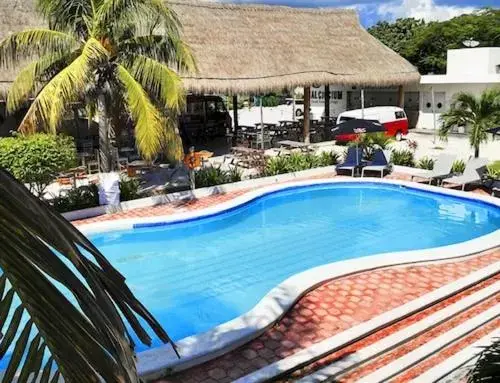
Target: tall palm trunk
(476,151)
(105,152)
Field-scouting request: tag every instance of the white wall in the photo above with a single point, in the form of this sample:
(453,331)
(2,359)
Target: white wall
(472,61)
(443,94)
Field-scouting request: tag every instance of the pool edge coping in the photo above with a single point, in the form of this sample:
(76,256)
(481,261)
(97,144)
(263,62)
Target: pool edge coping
(200,348)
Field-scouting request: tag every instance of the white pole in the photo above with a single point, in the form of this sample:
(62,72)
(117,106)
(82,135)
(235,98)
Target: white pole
(293,108)
(433,114)
(362,103)
(261,123)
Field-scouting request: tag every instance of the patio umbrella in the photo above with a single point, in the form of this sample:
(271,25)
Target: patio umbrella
(357,126)
(494,131)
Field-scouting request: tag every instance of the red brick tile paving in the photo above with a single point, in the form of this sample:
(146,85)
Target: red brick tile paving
(388,331)
(334,307)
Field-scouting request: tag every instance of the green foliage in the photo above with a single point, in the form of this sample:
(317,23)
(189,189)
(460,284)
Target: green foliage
(271,99)
(213,175)
(487,367)
(371,142)
(425,45)
(122,55)
(82,197)
(297,162)
(129,188)
(478,114)
(64,306)
(397,35)
(493,170)
(36,159)
(403,157)
(458,166)
(426,163)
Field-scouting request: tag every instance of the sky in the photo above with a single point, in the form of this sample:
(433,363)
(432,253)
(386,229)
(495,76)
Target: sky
(371,11)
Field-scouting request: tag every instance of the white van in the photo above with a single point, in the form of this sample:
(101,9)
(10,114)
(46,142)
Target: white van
(393,118)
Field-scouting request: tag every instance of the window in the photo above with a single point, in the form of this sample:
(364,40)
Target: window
(400,115)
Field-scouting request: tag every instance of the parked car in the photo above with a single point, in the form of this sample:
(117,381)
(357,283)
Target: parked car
(393,118)
(204,117)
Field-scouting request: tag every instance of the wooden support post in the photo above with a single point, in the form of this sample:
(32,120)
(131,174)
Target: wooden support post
(401,96)
(235,118)
(307,113)
(327,103)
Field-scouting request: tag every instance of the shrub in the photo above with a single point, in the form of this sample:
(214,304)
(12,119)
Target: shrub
(212,175)
(458,166)
(298,161)
(372,141)
(329,158)
(129,188)
(426,163)
(493,170)
(403,157)
(36,159)
(82,197)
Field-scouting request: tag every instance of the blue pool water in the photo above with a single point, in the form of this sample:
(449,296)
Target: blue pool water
(196,275)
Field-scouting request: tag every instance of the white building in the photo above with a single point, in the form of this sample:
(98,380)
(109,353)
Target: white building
(467,70)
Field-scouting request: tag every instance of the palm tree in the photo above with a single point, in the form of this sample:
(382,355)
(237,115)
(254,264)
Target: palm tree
(110,55)
(476,113)
(79,335)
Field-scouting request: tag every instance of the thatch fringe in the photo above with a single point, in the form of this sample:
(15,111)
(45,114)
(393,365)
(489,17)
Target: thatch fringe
(258,48)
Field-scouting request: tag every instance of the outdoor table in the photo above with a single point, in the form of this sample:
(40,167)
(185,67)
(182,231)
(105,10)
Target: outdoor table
(266,125)
(134,166)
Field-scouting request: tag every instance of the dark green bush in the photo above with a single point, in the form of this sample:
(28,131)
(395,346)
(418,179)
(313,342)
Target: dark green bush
(129,188)
(37,159)
(403,157)
(212,176)
(82,197)
(297,162)
(458,166)
(426,163)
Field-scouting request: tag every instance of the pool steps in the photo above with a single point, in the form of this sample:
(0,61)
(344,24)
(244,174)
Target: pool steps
(400,337)
(339,341)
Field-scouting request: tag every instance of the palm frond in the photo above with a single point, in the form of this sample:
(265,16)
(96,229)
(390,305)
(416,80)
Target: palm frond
(34,43)
(67,14)
(27,81)
(161,83)
(48,333)
(137,11)
(149,128)
(487,368)
(166,49)
(67,86)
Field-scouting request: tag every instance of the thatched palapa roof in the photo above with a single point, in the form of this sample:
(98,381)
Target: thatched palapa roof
(252,49)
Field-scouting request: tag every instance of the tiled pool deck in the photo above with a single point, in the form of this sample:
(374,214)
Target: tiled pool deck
(338,305)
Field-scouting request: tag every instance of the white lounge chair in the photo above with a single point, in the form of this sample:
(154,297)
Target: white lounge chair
(473,173)
(442,168)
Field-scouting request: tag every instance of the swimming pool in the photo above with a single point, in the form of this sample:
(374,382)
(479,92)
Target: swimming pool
(200,273)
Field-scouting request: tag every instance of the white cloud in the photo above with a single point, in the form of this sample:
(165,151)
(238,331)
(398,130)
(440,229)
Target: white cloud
(421,9)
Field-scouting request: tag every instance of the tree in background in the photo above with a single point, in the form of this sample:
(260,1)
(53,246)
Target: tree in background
(109,55)
(397,35)
(425,45)
(478,114)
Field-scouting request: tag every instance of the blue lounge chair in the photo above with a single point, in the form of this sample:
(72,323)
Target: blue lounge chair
(353,160)
(380,163)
